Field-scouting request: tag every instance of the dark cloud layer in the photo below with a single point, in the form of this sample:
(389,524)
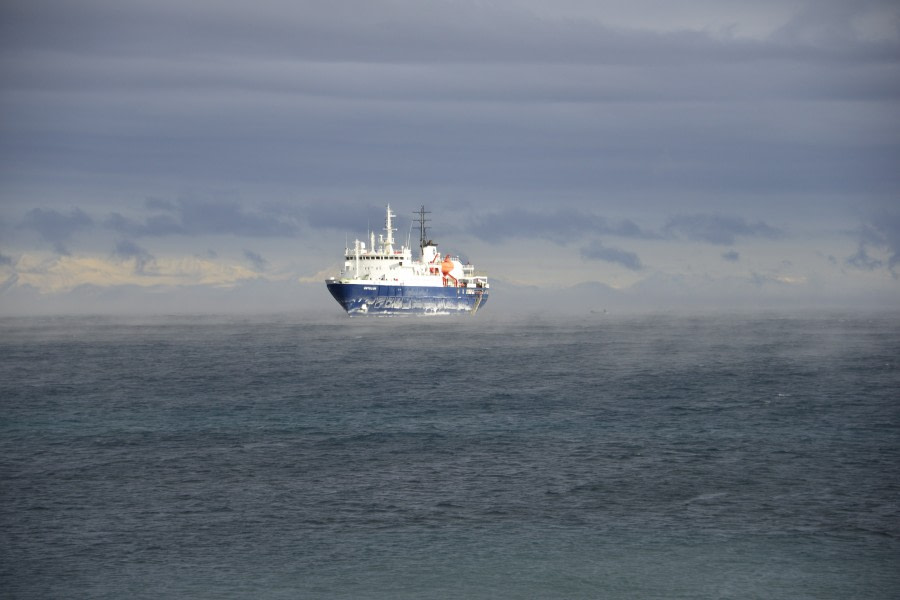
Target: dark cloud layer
(718,229)
(560,226)
(407,31)
(597,251)
(341,215)
(369,94)
(128,249)
(56,226)
(882,235)
(199,217)
(256,260)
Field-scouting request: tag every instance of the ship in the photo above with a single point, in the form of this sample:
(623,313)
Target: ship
(380,279)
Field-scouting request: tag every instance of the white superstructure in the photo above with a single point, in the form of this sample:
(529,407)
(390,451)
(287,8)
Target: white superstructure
(381,262)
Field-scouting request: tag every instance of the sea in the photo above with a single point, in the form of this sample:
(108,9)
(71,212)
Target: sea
(751,455)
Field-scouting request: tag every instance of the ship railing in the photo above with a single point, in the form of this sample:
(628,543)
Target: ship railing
(473,282)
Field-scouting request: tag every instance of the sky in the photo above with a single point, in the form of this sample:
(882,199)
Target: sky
(216,156)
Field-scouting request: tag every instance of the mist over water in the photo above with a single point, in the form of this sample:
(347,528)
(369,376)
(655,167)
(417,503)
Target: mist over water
(651,456)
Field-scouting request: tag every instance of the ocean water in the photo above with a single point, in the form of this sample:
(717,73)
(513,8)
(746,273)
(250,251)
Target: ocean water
(726,456)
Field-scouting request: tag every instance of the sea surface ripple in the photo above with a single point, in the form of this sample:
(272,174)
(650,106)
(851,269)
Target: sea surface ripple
(725,456)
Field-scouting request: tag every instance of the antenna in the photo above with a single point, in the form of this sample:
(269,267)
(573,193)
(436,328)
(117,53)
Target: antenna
(423,230)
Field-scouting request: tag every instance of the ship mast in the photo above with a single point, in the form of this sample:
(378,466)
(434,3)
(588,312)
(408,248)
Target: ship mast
(389,231)
(423,230)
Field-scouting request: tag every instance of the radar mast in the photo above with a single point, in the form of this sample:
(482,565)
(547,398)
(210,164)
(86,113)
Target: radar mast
(423,229)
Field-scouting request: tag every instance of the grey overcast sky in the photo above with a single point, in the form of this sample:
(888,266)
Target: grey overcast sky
(215,155)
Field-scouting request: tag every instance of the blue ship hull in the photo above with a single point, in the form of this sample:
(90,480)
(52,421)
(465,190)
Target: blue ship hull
(372,299)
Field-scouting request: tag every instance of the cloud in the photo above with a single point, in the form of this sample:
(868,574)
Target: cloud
(259,263)
(153,226)
(563,226)
(129,250)
(718,229)
(229,217)
(64,273)
(159,204)
(410,31)
(308,112)
(862,260)
(888,237)
(882,236)
(340,215)
(560,226)
(520,223)
(202,217)
(597,251)
(443,93)
(761,279)
(9,283)
(55,226)
(836,23)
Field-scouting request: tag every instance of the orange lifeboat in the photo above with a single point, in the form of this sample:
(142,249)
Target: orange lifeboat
(446,266)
